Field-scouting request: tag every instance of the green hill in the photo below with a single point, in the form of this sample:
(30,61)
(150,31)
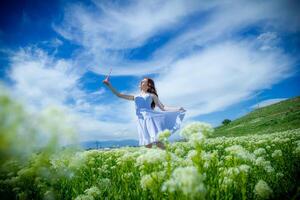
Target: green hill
(281,116)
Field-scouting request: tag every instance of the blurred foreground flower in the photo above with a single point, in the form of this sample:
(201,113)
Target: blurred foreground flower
(196,131)
(188,181)
(263,190)
(164,135)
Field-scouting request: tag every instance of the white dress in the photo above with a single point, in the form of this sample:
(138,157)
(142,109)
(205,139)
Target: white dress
(150,122)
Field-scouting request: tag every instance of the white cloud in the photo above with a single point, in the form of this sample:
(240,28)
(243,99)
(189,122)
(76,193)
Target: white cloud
(222,75)
(268,40)
(267,102)
(227,19)
(108,31)
(41,81)
(121,27)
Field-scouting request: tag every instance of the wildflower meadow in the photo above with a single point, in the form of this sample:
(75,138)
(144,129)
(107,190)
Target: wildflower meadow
(264,166)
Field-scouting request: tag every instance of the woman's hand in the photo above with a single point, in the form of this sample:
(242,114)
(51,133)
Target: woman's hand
(182,109)
(106,82)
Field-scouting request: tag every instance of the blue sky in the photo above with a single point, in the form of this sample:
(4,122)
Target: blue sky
(217,59)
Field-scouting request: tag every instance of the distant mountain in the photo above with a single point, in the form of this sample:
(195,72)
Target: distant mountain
(108,144)
(112,144)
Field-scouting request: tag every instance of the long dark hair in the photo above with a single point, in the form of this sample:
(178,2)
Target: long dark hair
(151,89)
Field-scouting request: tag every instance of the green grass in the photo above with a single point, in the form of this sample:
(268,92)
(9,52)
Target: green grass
(281,116)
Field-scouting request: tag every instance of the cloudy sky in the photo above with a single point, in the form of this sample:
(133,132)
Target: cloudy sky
(217,59)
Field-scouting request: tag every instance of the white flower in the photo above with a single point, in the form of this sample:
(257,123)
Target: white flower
(127,175)
(240,152)
(179,152)
(78,160)
(231,171)
(260,151)
(164,135)
(260,161)
(197,130)
(263,190)
(84,197)
(146,181)
(206,165)
(297,151)
(297,142)
(277,153)
(189,158)
(206,155)
(127,157)
(93,191)
(105,182)
(187,180)
(191,154)
(280,175)
(269,169)
(152,156)
(49,194)
(226,182)
(244,168)
(149,180)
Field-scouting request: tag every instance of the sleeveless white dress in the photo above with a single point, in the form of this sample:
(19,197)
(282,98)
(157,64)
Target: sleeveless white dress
(151,122)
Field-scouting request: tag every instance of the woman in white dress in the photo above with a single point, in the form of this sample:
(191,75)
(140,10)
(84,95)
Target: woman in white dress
(149,121)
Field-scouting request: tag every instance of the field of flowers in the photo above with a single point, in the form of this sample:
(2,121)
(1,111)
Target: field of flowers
(262,166)
(249,167)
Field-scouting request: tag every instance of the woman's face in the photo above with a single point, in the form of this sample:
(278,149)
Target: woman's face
(144,85)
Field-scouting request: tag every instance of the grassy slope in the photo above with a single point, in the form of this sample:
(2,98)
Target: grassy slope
(284,115)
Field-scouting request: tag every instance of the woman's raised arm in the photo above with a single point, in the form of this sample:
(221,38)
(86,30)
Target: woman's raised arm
(163,107)
(124,96)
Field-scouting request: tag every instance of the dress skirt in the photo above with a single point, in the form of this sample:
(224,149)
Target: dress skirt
(151,122)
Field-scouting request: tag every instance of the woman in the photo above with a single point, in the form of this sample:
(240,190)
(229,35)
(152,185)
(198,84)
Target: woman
(149,121)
